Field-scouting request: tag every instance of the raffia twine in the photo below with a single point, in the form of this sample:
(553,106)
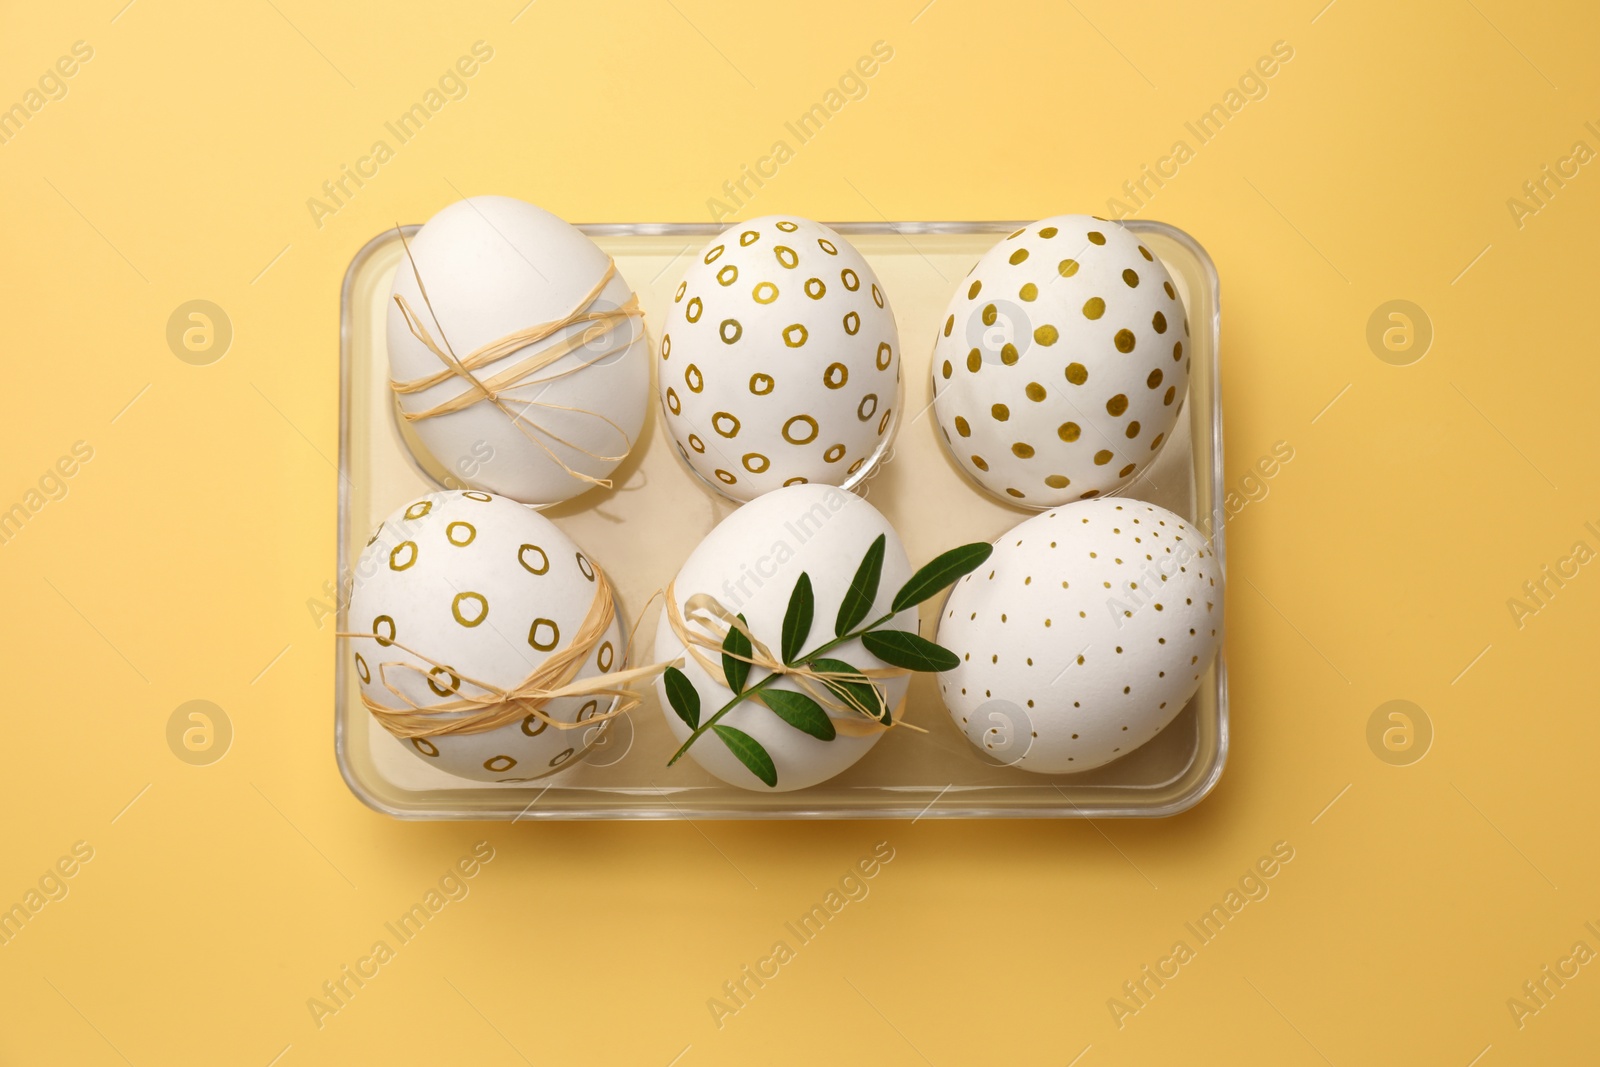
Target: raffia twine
(491,390)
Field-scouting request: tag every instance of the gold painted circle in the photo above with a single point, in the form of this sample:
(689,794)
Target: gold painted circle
(394,555)
(377,631)
(468,598)
(732,421)
(868,407)
(544,559)
(764,292)
(835,376)
(755,462)
(585,566)
(460,534)
(805,420)
(424,746)
(761,384)
(444,691)
(546,624)
(786,256)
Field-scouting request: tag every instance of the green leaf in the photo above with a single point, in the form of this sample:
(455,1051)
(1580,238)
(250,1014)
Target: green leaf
(797,620)
(900,648)
(683,696)
(863,590)
(750,753)
(858,689)
(800,711)
(734,669)
(943,570)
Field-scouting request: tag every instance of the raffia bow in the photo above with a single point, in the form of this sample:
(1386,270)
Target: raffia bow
(490,707)
(716,621)
(602,324)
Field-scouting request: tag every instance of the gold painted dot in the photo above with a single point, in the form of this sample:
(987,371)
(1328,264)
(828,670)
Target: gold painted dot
(1124,340)
(1022,450)
(1057,481)
(947,369)
(815,289)
(1159,323)
(1000,412)
(949,324)
(761,384)
(786,256)
(693,378)
(974,360)
(1067,268)
(1096,237)
(1154,381)
(852,323)
(1046,334)
(794,335)
(755,462)
(962,428)
(1157,442)
(1168,287)
(1133,429)
(1094,307)
(728,275)
(1035,392)
(1008,354)
(1117,404)
(1125,471)
(1018,494)
(851,280)
(764,292)
(1172,391)
(834,453)
(1177,351)
(1069,432)
(1131,279)
(730,331)
(1077,373)
(1048,232)
(1018,256)
(1102,457)
(885,355)
(1145,252)
(725,424)
(868,407)
(990,314)
(696,444)
(977,461)
(803,420)
(1029,292)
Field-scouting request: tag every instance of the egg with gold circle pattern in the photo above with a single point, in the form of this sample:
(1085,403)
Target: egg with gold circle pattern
(1062,363)
(779,360)
(477,589)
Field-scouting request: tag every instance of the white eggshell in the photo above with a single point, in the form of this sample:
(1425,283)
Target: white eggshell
(750,562)
(1090,628)
(1062,363)
(489,588)
(493,266)
(780,360)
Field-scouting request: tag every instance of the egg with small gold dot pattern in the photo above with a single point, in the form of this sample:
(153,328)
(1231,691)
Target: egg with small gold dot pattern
(1062,363)
(779,360)
(460,591)
(1083,636)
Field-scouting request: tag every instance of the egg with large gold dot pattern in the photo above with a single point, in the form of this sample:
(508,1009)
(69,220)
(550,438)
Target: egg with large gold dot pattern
(472,588)
(779,360)
(1062,363)
(1083,636)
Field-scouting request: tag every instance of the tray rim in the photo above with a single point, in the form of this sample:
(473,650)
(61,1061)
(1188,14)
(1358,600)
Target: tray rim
(1217,532)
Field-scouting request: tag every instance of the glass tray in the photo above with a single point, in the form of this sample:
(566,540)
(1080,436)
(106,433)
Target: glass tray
(644,529)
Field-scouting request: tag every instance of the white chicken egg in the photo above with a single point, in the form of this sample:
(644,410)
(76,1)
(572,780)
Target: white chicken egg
(1086,632)
(494,267)
(486,589)
(1062,363)
(751,563)
(780,360)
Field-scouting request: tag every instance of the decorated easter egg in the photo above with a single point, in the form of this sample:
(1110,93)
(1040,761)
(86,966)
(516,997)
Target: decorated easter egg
(516,352)
(1083,636)
(466,601)
(1062,363)
(780,360)
(751,565)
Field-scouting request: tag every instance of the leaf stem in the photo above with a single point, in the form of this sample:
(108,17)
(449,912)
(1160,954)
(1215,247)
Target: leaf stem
(773,676)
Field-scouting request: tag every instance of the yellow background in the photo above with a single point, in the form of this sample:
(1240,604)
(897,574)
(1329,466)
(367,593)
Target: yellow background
(1378,567)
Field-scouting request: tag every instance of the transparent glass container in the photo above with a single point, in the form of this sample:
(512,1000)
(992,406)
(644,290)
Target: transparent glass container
(644,529)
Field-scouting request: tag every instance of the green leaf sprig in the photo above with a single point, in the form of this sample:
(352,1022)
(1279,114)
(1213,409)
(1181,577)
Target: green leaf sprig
(898,648)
